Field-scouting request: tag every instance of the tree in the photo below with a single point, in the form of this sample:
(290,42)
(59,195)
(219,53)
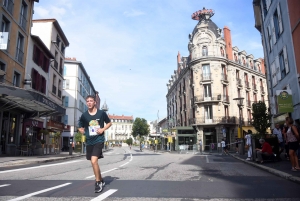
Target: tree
(261,119)
(78,137)
(140,127)
(129,141)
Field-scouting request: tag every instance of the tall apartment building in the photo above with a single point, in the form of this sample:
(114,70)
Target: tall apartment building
(201,91)
(278,23)
(76,86)
(121,128)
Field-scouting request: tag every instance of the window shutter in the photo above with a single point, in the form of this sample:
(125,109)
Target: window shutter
(273,70)
(279,19)
(268,4)
(46,65)
(286,63)
(41,59)
(67,84)
(66,101)
(66,120)
(273,31)
(278,71)
(44,85)
(33,79)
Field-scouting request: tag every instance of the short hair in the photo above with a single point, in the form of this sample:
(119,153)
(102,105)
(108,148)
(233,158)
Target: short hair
(250,131)
(90,96)
(290,120)
(261,140)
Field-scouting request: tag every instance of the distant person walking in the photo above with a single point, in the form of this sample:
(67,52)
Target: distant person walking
(292,137)
(277,132)
(223,145)
(236,144)
(248,138)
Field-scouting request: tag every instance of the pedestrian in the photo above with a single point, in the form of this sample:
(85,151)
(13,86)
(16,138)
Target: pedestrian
(73,145)
(91,123)
(277,132)
(266,151)
(200,146)
(284,128)
(292,137)
(236,144)
(248,144)
(223,147)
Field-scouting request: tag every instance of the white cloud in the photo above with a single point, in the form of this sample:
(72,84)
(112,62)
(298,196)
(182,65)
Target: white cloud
(133,13)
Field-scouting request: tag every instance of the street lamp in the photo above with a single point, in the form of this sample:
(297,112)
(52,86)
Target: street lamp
(240,105)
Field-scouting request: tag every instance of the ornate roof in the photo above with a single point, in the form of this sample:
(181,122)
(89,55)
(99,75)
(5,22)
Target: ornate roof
(104,106)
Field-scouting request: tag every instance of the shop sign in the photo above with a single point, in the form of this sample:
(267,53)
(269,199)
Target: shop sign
(55,125)
(284,101)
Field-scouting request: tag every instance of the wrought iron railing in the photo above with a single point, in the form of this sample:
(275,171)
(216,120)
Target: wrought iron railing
(224,77)
(19,55)
(214,120)
(212,97)
(23,21)
(206,77)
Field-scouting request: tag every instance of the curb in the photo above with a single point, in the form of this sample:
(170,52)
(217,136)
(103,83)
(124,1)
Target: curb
(270,170)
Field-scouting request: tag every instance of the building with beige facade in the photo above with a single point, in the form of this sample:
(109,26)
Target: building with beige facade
(121,128)
(201,91)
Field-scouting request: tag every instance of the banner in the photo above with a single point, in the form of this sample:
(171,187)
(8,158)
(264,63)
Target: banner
(284,101)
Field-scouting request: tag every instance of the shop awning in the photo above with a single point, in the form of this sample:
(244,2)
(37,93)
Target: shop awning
(28,101)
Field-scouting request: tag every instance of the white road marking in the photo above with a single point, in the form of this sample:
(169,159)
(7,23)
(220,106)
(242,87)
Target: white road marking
(39,192)
(124,164)
(113,168)
(207,161)
(104,195)
(41,166)
(4,185)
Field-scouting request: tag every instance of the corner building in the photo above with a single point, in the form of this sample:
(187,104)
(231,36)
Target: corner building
(201,91)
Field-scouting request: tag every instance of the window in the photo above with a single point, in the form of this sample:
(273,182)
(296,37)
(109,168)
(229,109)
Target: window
(66,101)
(5,28)
(2,68)
(281,64)
(16,79)
(206,72)
(65,70)
(222,51)
(23,15)
(270,43)
(273,74)
(63,48)
(204,51)
(66,84)
(59,89)
(61,66)
(207,91)
(54,84)
(19,50)
(57,40)
(8,4)
(208,114)
(66,119)
(80,89)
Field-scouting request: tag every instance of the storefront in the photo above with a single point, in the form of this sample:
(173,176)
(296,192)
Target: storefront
(185,136)
(18,110)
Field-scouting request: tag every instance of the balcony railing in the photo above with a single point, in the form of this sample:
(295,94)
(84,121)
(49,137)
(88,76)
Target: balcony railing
(9,6)
(226,99)
(248,103)
(59,93)
(23,21)
(55,64)
(53,89)
(213,120)
(254,86)
(202,98)
(239,82)
(247,85)
(206,77)
(19,55)
(262,89)
(224,77)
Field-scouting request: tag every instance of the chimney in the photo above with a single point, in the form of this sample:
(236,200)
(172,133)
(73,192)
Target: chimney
(227,37)
(263,70)
(178,57)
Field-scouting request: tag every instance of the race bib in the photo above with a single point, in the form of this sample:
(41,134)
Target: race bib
(93,130)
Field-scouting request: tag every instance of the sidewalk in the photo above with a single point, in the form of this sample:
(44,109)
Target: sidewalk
(279,168)
(7,161)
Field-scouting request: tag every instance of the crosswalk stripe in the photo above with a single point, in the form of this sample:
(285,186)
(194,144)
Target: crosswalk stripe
(104,195)
(38,192)
(4,185)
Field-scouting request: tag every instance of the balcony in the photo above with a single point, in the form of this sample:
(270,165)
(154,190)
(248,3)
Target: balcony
(59,93)
(239,82)
(55,64)
(19,55)
(206,77)
(23,21)
(248,103)
(224,78)
(9,4)
(247,85)
(211,98)
(213,120)
(226,99)
(254,87)
(53,89)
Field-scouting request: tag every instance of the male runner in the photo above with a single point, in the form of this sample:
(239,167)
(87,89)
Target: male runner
(91,123)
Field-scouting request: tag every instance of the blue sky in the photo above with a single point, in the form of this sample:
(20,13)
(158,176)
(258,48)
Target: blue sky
(129,47)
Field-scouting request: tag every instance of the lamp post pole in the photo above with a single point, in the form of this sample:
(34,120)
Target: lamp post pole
(240,106)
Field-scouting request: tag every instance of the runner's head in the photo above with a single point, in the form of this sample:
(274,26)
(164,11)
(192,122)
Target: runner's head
(90,101)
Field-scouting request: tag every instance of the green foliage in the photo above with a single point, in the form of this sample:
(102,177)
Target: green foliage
(140,127)
(78,137)
(261,118)
(129,141)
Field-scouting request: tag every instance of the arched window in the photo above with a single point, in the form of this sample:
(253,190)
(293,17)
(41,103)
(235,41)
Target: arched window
(222,52)
(204,51)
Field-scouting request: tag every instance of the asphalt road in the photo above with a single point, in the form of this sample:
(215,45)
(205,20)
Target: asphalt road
(134,175)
